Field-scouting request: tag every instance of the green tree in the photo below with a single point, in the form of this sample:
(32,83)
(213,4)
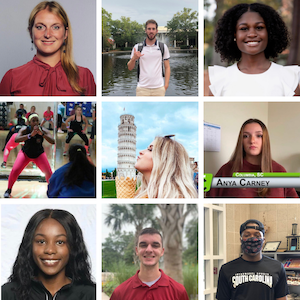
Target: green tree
(126,31)
(190,255)
(106,33)
(115,173)
(107,174)
(183,25)
(116,248)
(139,215)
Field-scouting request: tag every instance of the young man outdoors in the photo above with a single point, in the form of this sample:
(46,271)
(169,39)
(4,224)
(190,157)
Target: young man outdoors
(252,276)
(150,282)
(150,64)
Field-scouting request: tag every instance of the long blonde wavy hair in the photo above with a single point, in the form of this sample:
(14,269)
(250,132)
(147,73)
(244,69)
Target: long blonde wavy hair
(239,153)
(67,60)
(171,175)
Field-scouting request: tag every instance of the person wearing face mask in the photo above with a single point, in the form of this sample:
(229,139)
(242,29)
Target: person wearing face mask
(252,276)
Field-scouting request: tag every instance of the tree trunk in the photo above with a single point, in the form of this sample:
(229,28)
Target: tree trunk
(295,36)
(172,222)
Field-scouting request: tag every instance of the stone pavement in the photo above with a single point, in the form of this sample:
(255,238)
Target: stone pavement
(104,297)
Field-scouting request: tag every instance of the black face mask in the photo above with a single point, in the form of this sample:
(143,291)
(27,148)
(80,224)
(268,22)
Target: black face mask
(252,245)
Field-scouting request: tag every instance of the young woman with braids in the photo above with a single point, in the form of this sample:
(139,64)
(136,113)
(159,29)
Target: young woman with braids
(52,262)
(75,179)
(166,171)
(52,72)
(252,154)
(249,35)
(33,136)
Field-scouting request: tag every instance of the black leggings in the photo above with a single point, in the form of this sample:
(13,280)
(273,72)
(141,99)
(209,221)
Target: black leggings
(83,136)
(93,132)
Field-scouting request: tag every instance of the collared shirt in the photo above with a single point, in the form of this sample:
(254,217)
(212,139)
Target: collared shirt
(164,289)
(151,65)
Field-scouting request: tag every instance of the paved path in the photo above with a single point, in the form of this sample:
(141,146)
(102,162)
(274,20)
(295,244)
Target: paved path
(104,297)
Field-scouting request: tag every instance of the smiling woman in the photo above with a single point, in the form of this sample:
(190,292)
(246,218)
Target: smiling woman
(52,72)
(248,35)
(52,262)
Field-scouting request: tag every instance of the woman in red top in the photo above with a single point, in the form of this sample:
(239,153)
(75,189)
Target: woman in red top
(52,72)
(252,154)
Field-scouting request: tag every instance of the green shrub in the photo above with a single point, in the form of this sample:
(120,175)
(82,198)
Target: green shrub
(108,287)
(184,47)
(123,272)
(190,280)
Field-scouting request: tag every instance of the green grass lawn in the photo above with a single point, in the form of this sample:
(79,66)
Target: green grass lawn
(109,189)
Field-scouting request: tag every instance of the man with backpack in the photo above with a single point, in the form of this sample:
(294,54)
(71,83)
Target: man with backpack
(153,63)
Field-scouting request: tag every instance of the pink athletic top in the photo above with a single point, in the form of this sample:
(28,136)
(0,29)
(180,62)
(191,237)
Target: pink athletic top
(48,115)
(37,78)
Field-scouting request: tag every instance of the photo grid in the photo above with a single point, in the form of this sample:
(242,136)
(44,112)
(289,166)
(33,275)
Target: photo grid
(90,240)
(250,241)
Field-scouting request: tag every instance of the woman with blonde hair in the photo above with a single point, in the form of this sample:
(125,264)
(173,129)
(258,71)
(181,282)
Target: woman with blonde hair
(252,154)
(52,72)
(166,171)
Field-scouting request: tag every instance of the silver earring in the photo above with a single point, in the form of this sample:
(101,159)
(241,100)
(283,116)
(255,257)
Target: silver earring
(234,39)
(31,45)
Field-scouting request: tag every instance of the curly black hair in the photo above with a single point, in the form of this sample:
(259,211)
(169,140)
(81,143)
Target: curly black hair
(25,269)
(278,36)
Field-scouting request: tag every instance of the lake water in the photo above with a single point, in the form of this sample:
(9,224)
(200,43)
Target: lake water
(119,81)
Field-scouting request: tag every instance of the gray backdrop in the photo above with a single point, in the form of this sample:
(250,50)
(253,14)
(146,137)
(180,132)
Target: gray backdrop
(15,46)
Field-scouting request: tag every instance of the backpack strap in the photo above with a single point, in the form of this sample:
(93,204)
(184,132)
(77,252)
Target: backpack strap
(140,48)
(162,50)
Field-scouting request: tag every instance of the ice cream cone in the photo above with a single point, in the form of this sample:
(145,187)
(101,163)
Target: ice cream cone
(125,187)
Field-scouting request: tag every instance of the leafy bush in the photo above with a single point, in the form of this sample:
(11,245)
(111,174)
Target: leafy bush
(123,272)
(108,287)
(190,280)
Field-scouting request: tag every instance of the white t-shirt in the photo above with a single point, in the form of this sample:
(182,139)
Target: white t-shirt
(151,65)
(276,81)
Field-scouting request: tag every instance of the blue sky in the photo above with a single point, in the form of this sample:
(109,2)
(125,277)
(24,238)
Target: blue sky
(151,119)
(160,11)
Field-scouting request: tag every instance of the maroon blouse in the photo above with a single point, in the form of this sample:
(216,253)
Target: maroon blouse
(37,78)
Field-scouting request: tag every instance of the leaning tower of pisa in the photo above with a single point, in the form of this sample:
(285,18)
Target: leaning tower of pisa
(126,147)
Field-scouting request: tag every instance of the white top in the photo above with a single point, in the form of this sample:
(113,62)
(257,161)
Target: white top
(276,81)
(151,66)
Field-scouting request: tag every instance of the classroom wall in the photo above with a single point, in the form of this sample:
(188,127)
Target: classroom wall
(230,116)
(283,126)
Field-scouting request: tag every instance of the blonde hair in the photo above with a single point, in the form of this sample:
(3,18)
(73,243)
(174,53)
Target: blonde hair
(67,60)
(239,153)
(171,175)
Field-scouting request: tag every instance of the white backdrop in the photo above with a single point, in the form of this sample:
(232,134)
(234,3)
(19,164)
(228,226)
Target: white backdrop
(15,39)
(14,219)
